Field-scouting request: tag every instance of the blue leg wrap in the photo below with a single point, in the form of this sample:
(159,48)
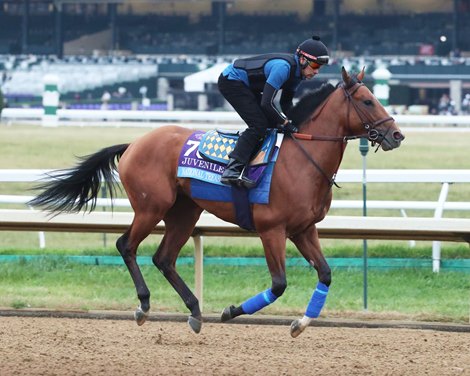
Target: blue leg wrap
(259,301)
(317,301)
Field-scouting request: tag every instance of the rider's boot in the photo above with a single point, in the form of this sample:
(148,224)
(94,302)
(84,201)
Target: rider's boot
(234,174)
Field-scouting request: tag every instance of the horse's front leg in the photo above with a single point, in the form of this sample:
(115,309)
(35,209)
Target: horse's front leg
(309,246)
(274,243)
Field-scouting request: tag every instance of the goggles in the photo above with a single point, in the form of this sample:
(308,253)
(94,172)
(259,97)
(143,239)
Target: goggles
(313,64)
(315,61)
(318,61)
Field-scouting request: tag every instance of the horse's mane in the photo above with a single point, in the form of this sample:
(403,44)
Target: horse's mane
(309,103)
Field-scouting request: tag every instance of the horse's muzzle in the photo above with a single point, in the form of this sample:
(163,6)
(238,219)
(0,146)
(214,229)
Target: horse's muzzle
(392,140)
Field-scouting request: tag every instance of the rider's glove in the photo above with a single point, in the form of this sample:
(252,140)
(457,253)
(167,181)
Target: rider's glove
(289,128)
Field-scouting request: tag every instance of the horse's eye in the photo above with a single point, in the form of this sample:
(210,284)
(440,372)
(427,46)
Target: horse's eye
(368,102)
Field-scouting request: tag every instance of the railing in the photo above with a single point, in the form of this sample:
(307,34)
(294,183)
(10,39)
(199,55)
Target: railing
(191,119)
(443,177)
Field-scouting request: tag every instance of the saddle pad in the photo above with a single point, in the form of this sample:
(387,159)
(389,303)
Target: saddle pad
(205,175)
(216,146)
(214,192)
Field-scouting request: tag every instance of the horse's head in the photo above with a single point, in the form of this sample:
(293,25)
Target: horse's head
(368,114)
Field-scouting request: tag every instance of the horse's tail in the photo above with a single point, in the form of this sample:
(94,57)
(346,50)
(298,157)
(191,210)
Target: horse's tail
(72,189)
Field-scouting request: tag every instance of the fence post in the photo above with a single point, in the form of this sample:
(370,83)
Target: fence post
(381,87)
(198,269)
(436,246)
(364,149)
(50,100)
(41,235)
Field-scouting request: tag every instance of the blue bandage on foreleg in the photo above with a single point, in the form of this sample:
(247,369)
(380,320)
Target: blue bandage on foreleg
(317,301)
(259,301)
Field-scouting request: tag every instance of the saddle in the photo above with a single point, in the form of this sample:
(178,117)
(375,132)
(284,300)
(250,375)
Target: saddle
(205,155)
(216,145)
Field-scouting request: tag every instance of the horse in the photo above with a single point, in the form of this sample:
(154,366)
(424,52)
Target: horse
(300,195)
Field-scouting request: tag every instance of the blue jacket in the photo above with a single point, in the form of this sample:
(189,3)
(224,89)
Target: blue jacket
(266,75)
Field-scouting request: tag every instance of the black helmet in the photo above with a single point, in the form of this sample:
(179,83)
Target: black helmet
(314,50)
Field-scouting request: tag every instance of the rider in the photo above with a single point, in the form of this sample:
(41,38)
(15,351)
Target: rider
(250,85)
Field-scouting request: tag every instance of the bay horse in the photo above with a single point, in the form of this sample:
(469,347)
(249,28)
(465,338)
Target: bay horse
(300,193)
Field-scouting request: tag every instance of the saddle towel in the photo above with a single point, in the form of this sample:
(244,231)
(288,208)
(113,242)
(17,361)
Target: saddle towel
(203,159)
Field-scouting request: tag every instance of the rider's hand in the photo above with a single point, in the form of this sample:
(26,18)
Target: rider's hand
(289,128)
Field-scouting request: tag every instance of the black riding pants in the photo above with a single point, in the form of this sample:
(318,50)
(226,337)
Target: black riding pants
(247,104)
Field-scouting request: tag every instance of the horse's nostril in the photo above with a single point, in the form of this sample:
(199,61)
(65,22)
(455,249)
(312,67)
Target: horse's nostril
(397,135)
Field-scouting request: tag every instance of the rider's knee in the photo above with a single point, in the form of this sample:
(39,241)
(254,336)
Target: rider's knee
(256,131)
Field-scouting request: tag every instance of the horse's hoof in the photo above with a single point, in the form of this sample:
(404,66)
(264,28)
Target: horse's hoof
(296,328)
(227,314)
(195,324)
(140,316)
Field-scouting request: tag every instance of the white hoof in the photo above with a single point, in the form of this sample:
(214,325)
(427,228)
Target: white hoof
(298,326)
(140,316)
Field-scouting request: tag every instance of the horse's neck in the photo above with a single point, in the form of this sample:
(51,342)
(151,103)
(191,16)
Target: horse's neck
(330,120)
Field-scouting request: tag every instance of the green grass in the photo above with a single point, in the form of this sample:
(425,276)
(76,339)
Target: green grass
(38,147)
(410,294)
(250,249)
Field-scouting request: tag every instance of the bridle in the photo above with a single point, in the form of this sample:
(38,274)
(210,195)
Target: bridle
(372,134)
(369,124)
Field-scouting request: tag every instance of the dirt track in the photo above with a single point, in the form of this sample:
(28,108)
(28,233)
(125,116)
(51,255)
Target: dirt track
(65,346)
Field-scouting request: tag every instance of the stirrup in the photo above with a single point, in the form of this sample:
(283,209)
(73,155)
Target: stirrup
(244,181)
(241,181)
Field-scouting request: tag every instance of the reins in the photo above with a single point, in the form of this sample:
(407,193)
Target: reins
(331,181)
(309,137)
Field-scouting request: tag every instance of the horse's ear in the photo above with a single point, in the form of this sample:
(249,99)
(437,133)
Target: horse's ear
(361,74)
(346,77)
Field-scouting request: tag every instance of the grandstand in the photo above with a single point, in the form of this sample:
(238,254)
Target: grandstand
(423,42)
(375,27)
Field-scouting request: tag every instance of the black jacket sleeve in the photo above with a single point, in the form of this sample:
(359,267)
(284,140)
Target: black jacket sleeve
(267,104)
(286,101)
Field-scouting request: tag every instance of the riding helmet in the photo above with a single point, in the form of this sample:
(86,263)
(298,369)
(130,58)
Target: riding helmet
(313,49)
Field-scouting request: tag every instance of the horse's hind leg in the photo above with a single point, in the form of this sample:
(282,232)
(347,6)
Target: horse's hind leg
(127,245)
(179,224)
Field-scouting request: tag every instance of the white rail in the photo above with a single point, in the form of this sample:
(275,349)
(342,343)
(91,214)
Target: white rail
(443,177)
(195,119)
